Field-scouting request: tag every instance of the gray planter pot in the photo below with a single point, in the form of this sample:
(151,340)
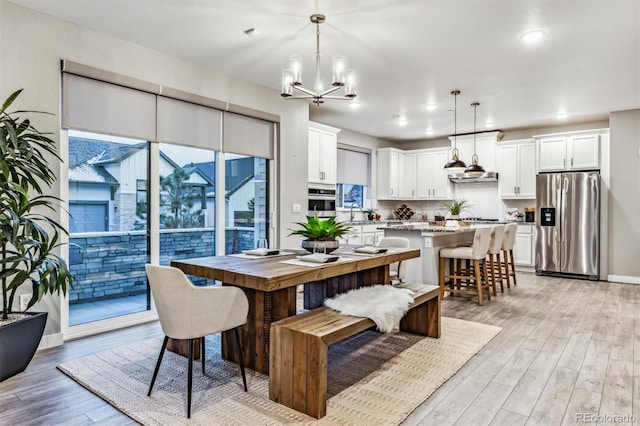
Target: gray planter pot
(18,343)
(330,246)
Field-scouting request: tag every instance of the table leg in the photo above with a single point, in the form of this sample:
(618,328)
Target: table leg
(264,308)
(316,292)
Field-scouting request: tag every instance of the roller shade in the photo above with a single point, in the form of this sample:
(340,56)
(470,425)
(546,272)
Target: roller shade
(106,108)
(247,136)
(353,167)
(185,123)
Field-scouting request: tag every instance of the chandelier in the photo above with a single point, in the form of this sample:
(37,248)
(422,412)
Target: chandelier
(292,77)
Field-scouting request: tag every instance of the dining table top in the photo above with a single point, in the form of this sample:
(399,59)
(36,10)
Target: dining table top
(271,273)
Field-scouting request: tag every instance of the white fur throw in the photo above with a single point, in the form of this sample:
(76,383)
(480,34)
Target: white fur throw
(384,304)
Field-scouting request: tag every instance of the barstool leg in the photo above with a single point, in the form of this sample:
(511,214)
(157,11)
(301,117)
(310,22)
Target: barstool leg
(513,266)
(486,278)
(441,271)
(499,272)
(476,267)
(505,263)
(493,275)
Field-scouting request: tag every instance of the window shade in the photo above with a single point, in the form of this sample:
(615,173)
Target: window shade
(353,167)
(247,136)
(189,124)
(101,107)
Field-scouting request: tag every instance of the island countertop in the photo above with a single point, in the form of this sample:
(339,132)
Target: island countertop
(429,230)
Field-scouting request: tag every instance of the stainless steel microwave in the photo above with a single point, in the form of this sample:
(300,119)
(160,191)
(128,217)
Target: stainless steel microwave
(322,202)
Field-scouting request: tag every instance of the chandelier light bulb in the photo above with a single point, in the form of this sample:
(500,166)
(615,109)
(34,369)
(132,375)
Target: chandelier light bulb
(295,66)
(339,70)
(350,85)
(286,88)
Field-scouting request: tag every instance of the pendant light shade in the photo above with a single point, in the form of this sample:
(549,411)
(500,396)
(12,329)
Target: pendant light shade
(455,164)
(474,168)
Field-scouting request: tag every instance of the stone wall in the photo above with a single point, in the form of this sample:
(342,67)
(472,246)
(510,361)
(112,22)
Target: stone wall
(109,265)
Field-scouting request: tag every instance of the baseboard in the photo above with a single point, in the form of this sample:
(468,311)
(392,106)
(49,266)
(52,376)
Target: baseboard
(623,279)
(51,341)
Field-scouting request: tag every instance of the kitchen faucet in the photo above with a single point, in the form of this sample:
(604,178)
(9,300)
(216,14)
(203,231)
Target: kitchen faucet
(351,215)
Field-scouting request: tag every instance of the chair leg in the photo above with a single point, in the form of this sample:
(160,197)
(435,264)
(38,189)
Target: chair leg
(190,376)
(240,357)
(513,266)
(202,352)
(506,268)
(476,267)
(441,273)
(493,275)
(155,372)
(486,278)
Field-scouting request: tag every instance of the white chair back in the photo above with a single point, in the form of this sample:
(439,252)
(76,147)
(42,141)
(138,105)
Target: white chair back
(497,236)
(187,311)
(480,244)
(509,238)
(399,268)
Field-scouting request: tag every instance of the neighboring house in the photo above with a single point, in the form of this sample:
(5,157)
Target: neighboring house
(108,181)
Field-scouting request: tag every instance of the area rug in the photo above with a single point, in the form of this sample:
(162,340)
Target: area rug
(374,379)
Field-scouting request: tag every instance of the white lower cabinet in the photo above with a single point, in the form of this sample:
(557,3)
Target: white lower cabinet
(524,249)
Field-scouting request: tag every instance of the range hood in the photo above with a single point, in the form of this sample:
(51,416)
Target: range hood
(461,178)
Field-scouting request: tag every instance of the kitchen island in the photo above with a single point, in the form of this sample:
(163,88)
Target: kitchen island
(429,239)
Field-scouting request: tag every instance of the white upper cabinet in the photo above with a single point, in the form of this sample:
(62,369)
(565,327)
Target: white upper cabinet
(516,169)
(323,146)
(569,151)
(407,176)
(432,180)
(388,182)
(485,148)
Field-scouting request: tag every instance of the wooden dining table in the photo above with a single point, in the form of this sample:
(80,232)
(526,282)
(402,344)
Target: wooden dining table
(270,286)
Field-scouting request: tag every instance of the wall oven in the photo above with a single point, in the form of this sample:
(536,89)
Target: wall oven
(322,202)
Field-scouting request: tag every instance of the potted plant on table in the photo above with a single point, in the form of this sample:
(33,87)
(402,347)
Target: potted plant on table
(28,238)
(324,231)
(455,207)
(371,213)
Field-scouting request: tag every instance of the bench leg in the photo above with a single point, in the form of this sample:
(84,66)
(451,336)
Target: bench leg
(424,319)
(298,371)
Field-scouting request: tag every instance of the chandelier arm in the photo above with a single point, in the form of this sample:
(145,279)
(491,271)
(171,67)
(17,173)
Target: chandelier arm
(300,97)
(342,98)
(307,91)
(330,90)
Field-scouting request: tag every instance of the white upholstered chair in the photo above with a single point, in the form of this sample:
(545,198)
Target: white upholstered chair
(476,253)
(189,312)
(508,262)
(397,270)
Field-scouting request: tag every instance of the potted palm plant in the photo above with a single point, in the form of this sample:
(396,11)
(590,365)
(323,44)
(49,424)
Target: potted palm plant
(321,230)
(28,237)
(456,206)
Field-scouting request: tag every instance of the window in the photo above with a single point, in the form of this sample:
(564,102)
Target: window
(353,177)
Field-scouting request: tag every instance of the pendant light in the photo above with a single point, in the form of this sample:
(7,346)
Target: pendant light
(455,165)
(474,168)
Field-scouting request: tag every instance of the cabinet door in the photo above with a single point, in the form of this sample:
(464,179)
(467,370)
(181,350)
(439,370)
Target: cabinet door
(407,176)
(486,151)
(508,173)
(465,148)
(583,152)
(328,157)
(441,186)
(383,187)
(552,153)
(394,158)
(522,250)
(315,140)
(526,171)
(368,238)
(354,239)
(423,175)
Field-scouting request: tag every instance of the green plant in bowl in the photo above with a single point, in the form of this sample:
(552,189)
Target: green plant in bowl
(456,206)
(371,213)
(321,230)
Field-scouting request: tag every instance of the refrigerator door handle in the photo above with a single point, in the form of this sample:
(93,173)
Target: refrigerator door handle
(561,211)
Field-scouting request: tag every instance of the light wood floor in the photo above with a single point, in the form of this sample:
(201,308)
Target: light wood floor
(567,347)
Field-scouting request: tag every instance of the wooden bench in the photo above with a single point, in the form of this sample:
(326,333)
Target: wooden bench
(299,346)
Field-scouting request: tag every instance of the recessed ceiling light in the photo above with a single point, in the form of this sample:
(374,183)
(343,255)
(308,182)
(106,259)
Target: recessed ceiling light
(252,32)
(429,131)
(488,124)
(532,36)
(430,107)
(562,115)
(354,104)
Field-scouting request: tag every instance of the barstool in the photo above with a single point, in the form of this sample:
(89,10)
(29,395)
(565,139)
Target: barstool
(495,247)
(508,241)
(477,253)
(397,270)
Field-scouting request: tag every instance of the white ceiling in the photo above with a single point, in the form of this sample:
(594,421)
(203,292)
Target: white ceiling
(406,53)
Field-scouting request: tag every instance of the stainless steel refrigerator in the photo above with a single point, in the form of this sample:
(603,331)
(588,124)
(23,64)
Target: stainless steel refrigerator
(568,224)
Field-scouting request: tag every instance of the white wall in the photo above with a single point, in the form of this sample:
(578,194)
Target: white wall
(33,45)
